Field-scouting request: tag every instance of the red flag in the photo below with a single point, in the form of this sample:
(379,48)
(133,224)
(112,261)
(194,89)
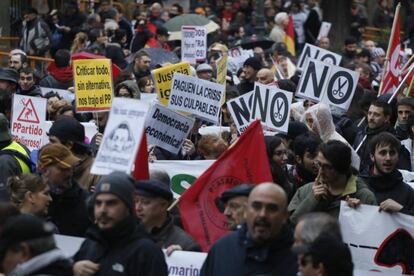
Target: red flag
(141,170)
(290,37)
(392,65)
(245,162)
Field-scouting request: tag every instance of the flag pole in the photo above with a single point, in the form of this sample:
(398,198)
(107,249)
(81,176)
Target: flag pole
(387,59)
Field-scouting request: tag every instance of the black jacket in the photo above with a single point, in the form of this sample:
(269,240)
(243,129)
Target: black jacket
(34,91)
(68,211)
(237,254)
(123,250)
(391,186)
(245,87)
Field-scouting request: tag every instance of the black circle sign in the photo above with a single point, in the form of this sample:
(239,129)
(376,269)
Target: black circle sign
(277,117)
(330,89)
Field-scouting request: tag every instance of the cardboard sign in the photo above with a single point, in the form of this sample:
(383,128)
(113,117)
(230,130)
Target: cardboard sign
(185,263)
(64,94)
(240,110)
(272,106)
(194,43)
(163,78)
(29,114)
(313,81)
(378,241)
(93,84)
(324,30)
(311,51)
(122,137)
(167,129)
(196,96)
(181,177)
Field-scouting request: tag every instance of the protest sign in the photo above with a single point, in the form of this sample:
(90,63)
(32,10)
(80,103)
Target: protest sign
(240,55)
(90,130)
(178,170)
(185,263)
(149,97)
(240,110)
(222,73)
(167,129)
(311,51)
(163,78)
(68,244)
(378,241)
(199,97)
(313,81)
(93,84)
(194,43)
(28,116)
(122,137)
(324,30)
(272,106)
(64,94)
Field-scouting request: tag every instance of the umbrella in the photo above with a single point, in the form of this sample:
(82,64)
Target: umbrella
(174,25)
(85,55)
(249,42)
(158,56)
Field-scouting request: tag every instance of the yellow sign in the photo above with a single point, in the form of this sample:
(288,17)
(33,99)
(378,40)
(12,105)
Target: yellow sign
(93,84)
(163,79)
(222,74)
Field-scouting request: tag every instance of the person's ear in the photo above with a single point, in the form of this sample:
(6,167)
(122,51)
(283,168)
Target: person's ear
(29,197)
(372,157)
(25,253)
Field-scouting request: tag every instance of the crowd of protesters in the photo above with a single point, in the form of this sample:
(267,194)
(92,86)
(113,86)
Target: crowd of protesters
(278,228)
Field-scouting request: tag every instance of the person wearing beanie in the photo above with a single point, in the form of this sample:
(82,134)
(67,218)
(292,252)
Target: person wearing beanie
(250,68)
(152,199)
(117,244)
(68,209)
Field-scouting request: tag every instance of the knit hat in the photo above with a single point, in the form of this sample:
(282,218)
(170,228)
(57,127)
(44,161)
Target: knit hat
(119,184)
(5,134)
(153,188)
(253,62)
(56,154)
(376,52)
(67,128)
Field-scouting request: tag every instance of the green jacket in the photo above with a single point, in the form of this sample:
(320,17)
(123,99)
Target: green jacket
(304,201)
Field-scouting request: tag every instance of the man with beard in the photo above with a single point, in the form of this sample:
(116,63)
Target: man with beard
(350,51)
(141,65)
(117,244)
(68,210)
(250,68)
(262,246)
(384,179)
(8,85)
(305,169)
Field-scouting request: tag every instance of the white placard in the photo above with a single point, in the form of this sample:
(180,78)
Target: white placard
(311,51)
(28,116)
(240,110)
(122,136)
(64,94)
(196,96)
(181,177)
(167,129)
(185,263)
(324,30)
(272,106)
(68,244)
(371,234)
(313,81)
(194,43)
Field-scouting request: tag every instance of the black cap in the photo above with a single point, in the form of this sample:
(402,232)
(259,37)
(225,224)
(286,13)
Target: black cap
(9,74)
(67,128)
(240,190)
(22,228)
(253,62)
(153,188)
(162,31)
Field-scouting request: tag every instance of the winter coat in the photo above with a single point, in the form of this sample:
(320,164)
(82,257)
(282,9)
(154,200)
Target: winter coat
(34,91)
(53,262)
(304,201)
(391,186)
(407,153)
(58,77)
(237,254)
(125,249)
(35,37)
(68,211)
(82,173)
(170,234)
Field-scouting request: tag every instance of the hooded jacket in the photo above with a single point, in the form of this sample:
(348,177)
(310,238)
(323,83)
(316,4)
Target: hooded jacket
(126,249)
(58,77)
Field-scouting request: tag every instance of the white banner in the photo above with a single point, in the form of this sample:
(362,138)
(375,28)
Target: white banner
(185,263)
(167,129)
(194,43)
(272,106)
(122,136)
(378,241)
(64,94)
(240,110)
(311,51)
(28,116)
(196,96)
(181,176)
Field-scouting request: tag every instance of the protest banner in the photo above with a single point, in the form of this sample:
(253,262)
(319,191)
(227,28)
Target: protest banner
(186,263)
(122,137)
(379,241)
(90,130)
(167,129)
(64,94)
(324,30)
(93,84)
(163,79)
(272,106)
(181,177)
(240,110)
(194,43)
(311,51)
(28,116)
(199,97)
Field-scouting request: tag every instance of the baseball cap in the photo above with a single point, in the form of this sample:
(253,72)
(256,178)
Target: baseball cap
(153,188)
(5,134)
(204,67)
(56,154)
